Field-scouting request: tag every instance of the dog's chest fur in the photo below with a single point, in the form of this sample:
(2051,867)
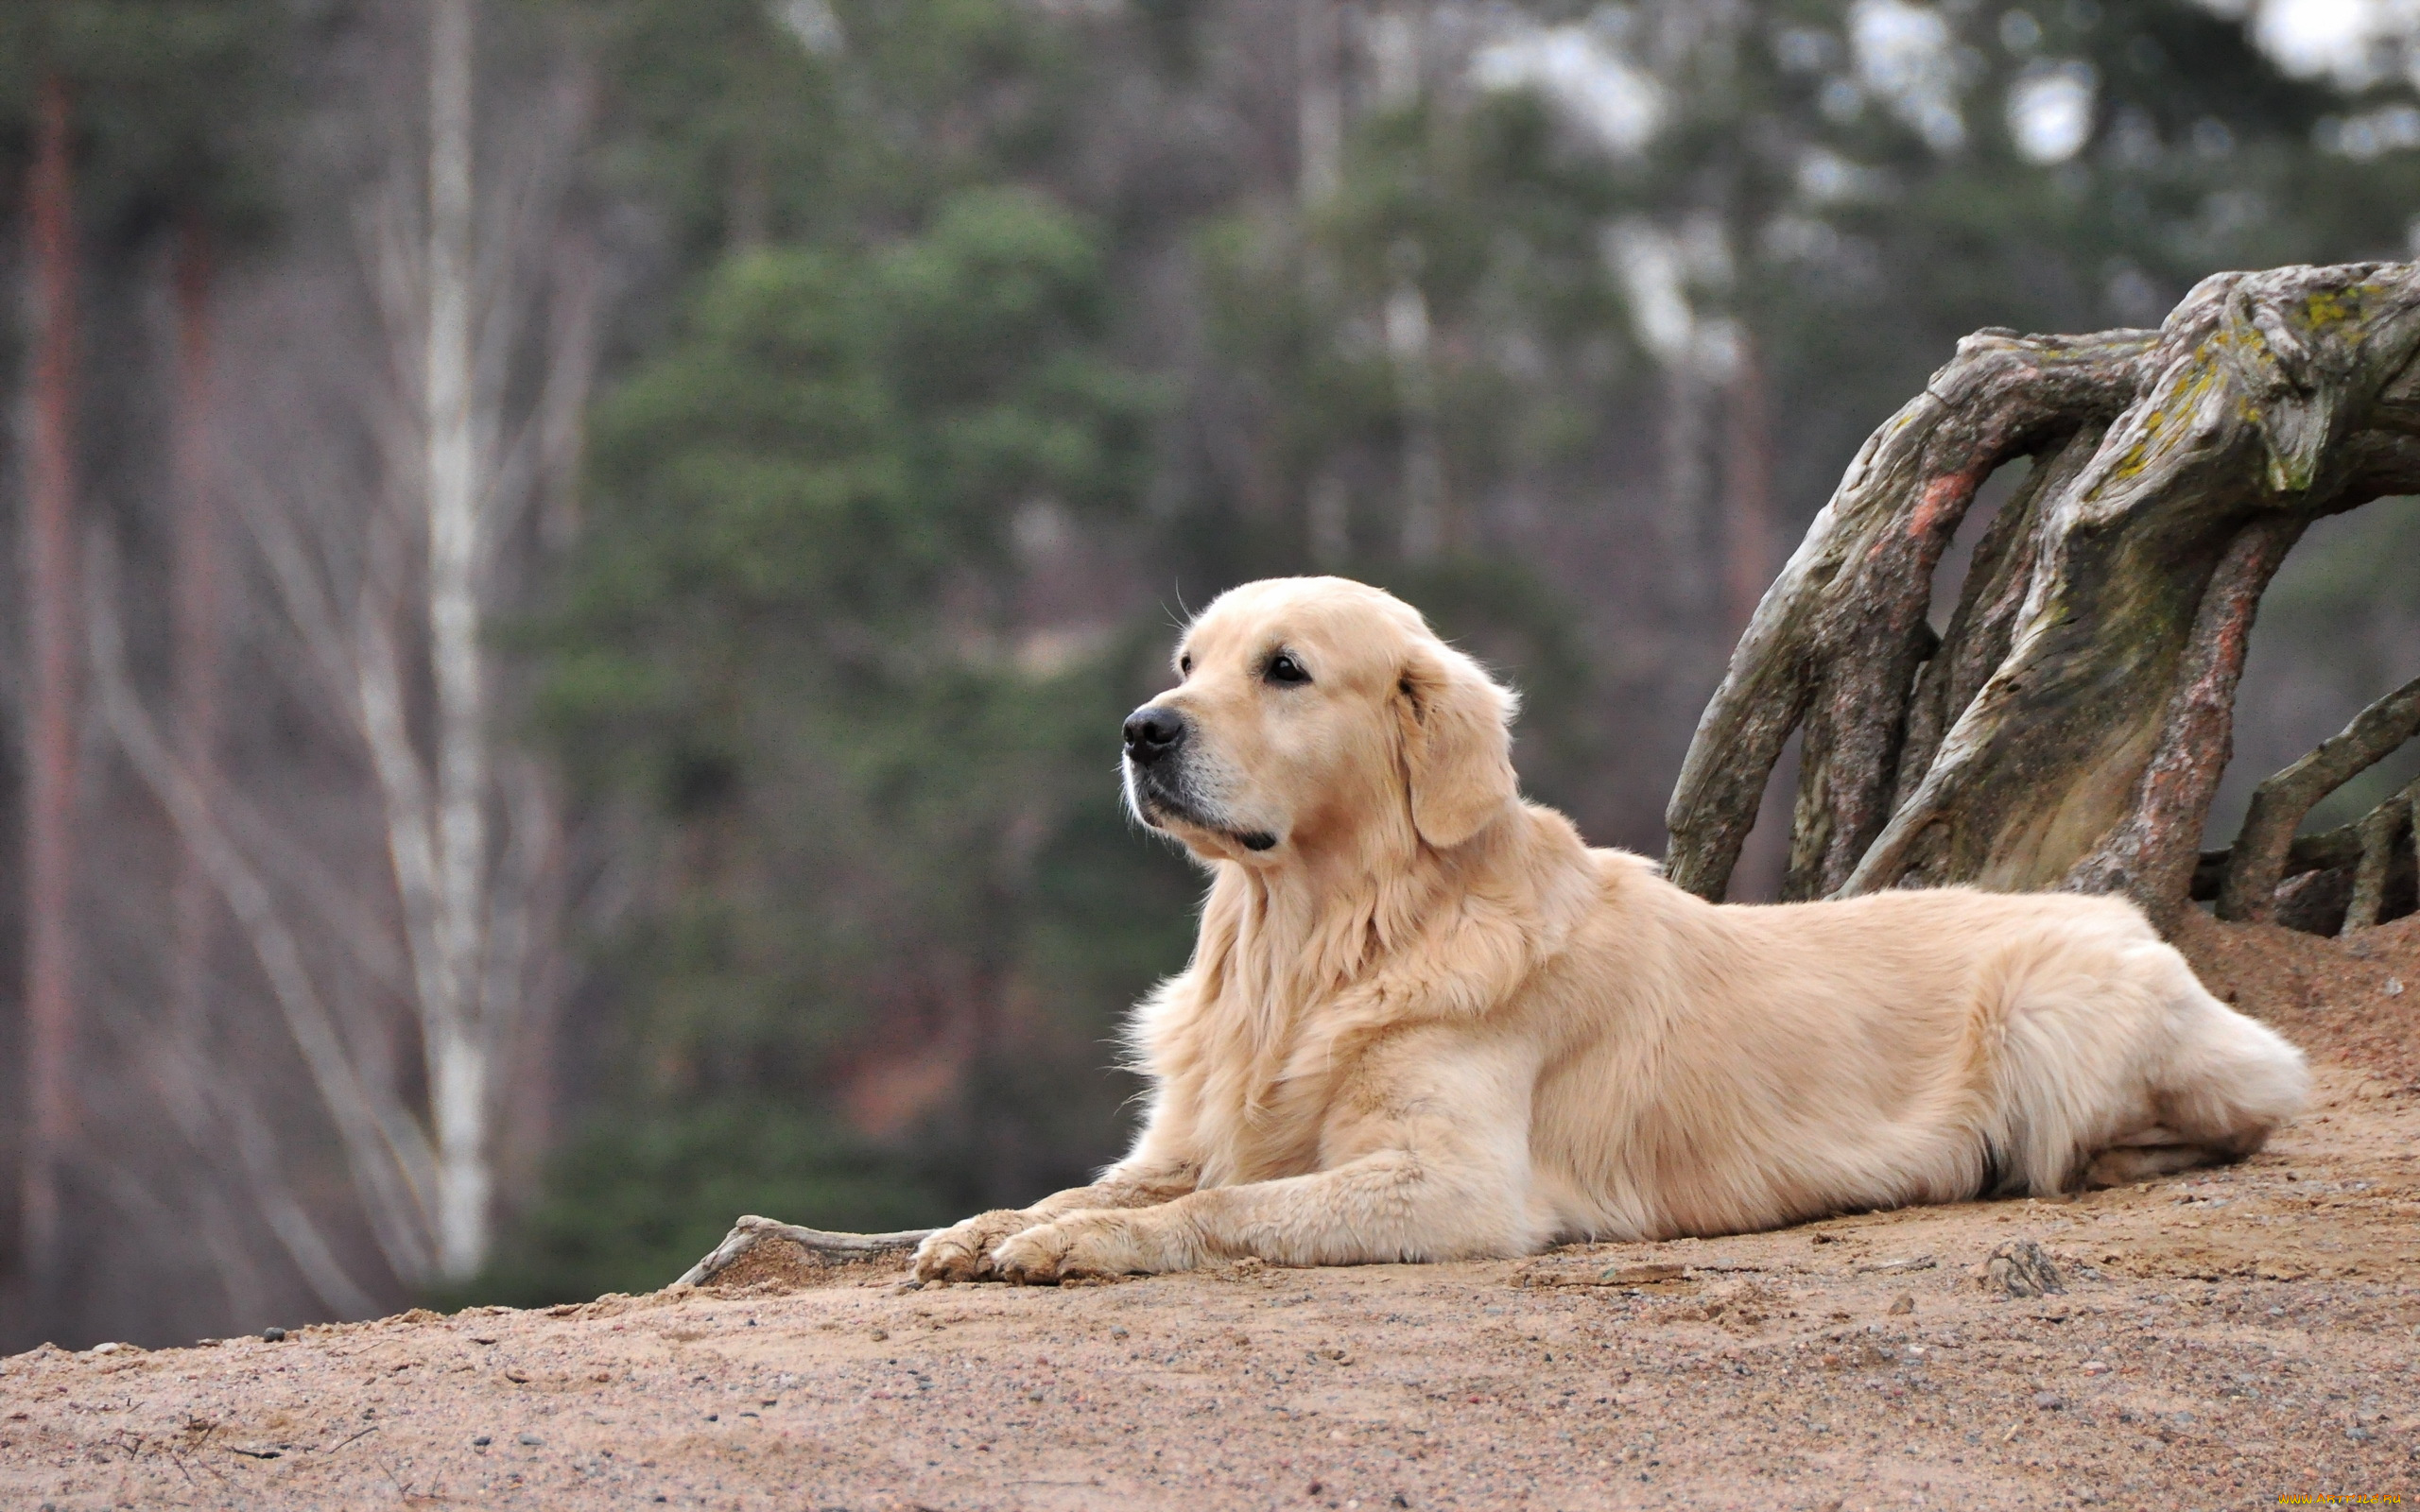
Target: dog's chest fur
(1258,1110)
(1263,1051)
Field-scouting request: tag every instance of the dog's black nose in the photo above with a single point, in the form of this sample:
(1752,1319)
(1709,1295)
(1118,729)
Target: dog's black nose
(1151,733)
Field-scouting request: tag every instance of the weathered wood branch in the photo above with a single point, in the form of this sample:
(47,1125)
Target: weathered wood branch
(2069,725)
(2381,833)
(2279,805)
(2328,851)
(817,1245)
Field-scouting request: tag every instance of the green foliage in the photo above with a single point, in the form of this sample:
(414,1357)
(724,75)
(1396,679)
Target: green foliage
(633,1203)
(2347,593)
(175,103)
(891,838)
(750,120)
(1496,227)
(840,436)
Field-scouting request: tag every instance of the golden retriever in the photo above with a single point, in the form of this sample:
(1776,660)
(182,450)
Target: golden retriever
(1424,1022)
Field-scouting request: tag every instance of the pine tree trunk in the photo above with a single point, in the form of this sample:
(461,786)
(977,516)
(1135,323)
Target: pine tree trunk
(2067,727)
(51,707)
(1747,488)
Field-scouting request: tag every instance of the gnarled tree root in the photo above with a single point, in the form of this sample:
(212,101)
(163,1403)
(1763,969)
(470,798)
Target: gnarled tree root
(2069,728)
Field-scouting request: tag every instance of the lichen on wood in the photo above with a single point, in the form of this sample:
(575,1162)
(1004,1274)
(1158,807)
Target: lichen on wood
(2067,727)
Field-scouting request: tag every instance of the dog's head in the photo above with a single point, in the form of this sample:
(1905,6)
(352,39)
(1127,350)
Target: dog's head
(1314,713)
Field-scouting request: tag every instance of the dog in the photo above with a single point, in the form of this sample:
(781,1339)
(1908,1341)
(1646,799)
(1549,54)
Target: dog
(1424,1022)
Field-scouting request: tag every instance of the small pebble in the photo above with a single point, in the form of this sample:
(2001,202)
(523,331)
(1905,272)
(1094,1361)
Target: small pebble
(2047,1400)
(274,1336)
(481,1442)
(531,1439)
(2096,1368)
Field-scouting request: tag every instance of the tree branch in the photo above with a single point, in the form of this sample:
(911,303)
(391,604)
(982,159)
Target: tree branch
(387,1156)
(1989,602)
(2048,760)
(2279,805)
(2386,825)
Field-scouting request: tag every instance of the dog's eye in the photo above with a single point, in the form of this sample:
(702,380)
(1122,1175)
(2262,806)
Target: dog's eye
(1184,666)
(1283,668)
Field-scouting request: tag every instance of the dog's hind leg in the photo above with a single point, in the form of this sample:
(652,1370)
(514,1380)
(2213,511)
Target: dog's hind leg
(2229,1082)
(2221,1085)
(2119,1066)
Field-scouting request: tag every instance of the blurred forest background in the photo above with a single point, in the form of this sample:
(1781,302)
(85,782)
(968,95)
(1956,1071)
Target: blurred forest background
(579,561)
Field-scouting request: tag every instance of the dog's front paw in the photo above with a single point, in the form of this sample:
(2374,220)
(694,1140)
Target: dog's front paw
(1078,1247)
(962,1252)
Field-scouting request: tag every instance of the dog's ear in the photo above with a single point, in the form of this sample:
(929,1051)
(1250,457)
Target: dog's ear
(1458,745)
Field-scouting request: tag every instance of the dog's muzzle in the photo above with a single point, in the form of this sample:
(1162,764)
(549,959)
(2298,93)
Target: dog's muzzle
(1158,782)
(1153,734)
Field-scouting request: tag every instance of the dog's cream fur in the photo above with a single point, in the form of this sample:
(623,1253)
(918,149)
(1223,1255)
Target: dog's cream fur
(1424,1022)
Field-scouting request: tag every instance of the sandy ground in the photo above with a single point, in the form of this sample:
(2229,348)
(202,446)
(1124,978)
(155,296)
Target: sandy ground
(2226,1339)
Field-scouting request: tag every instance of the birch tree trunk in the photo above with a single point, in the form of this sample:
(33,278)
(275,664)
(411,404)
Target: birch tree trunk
(2066,729)
(1410,344)
(459,1048)
(384,578)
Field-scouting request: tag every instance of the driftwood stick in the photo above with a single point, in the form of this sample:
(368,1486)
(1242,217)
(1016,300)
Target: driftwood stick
(831,1248)
(2257,861)
(2385,826)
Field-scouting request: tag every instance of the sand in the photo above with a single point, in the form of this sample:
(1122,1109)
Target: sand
(2226,1338)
